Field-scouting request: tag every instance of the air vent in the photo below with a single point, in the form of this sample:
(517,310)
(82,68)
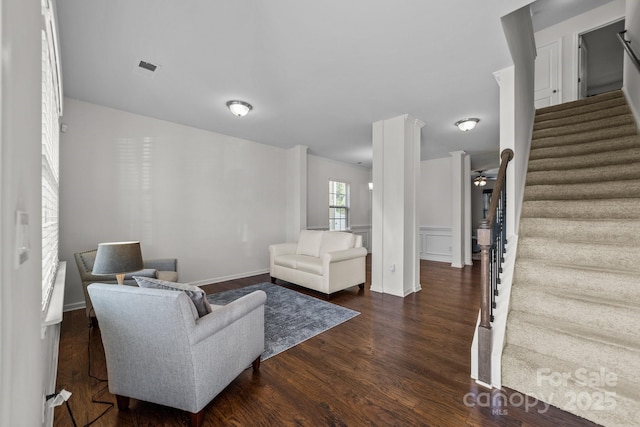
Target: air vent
(147,66)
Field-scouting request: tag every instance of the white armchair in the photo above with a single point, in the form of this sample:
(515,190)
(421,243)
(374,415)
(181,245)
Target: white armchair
(158,349)
(325,261)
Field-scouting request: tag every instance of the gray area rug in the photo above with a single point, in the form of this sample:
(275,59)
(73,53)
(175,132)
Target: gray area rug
(289,316)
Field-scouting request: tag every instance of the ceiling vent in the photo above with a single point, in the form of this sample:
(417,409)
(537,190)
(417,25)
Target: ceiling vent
(145,68)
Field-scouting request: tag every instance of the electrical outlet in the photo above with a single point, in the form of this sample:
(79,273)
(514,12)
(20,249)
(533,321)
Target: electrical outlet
(393,268)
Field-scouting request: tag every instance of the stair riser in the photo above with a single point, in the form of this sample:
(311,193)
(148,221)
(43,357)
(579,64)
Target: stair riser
(580,110)
(592,190)
(621,157)
(591,175)
(617,94)
(612,232)
(617,126)
(582,209)
(579,254)
(574,349)
(606,146)
(614,320)
(582,118)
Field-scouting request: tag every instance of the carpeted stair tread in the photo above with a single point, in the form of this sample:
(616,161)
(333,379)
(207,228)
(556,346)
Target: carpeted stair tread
(533,374)
(589,282)
(612,257)
(587,133)
(589,190)
(618,157)
(609,316)
(623,232)
(592,282)
(601,146)
(582,118)
(582,209)
(615,172)
(579,109)
(616,94)
(575,343)
(626,120)
(575,297)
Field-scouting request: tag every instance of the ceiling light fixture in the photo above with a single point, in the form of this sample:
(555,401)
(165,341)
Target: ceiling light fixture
(480,181)
(239,108)
(467,124)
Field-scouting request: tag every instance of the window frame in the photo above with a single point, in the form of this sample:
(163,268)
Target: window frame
(334,205)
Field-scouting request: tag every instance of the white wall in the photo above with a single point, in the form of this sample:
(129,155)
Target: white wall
(214,202)
(631,73)
(435,204)
(320,171)
(434,195)
(22,369)
(568,32)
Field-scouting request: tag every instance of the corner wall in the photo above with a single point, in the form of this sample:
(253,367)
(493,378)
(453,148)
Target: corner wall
(22,368)
(213,201)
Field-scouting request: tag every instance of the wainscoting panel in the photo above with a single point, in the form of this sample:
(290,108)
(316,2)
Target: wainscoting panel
(435,243)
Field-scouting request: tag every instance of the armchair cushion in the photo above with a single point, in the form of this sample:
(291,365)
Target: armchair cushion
(197,295)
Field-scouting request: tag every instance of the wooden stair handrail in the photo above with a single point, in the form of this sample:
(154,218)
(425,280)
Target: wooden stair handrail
(505,157)
(491,260)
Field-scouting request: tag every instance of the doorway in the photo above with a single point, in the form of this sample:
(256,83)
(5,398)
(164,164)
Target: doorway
(600,60)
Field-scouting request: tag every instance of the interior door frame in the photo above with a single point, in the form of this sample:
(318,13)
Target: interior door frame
(576,51)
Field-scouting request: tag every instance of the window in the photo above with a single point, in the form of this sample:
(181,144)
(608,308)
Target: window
(338,205)
(51,110)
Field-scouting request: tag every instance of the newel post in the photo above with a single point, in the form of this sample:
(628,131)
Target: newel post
(484,330)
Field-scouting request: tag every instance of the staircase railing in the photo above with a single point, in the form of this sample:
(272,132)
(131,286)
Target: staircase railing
(627,47)
(492,239)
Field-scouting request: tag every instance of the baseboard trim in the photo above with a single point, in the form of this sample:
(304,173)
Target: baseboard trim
(229,277)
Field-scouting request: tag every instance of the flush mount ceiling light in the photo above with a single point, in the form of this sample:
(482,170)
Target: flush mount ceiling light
(467,124)
(239,108)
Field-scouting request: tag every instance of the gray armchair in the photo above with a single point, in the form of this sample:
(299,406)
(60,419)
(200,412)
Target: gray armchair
(163,269)
(158,350)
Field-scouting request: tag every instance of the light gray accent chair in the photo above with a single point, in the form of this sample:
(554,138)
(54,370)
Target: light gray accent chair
(161,268)
(158,350)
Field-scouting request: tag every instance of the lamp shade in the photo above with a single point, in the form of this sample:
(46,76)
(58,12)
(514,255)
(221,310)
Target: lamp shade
(117,258)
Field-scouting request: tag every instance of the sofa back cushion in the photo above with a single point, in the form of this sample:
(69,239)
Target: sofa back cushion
(335,241)
(309,242)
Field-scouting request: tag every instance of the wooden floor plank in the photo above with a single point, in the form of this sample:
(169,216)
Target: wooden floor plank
(401,362)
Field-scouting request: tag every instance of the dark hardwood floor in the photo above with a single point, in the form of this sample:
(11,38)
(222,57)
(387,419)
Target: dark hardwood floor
(401,362)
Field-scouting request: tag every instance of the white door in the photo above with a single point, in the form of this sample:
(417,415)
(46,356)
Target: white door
(547,75)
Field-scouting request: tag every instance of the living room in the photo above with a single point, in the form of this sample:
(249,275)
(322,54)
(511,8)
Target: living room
(211,200)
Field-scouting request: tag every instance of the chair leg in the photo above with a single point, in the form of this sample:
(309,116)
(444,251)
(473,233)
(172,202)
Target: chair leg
(256,364)
(196,418)
(123,402)
(361,285)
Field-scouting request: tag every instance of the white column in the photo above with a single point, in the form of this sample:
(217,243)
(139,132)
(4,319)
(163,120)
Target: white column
(468,232)
(395,264)
(296,191)
(459,209)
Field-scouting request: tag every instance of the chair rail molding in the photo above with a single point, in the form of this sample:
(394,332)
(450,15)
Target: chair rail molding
(434,243)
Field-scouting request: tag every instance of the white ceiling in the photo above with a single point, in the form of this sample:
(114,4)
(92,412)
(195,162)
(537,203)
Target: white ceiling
(318,73)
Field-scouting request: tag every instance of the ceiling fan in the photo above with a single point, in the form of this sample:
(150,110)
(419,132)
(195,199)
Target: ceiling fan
(480,180)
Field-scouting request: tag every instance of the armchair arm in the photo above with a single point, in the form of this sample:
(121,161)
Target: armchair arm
(282,249)
(344,255)
(224,316)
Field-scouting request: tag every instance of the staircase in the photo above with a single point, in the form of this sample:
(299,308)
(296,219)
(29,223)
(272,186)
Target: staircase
(573,329)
